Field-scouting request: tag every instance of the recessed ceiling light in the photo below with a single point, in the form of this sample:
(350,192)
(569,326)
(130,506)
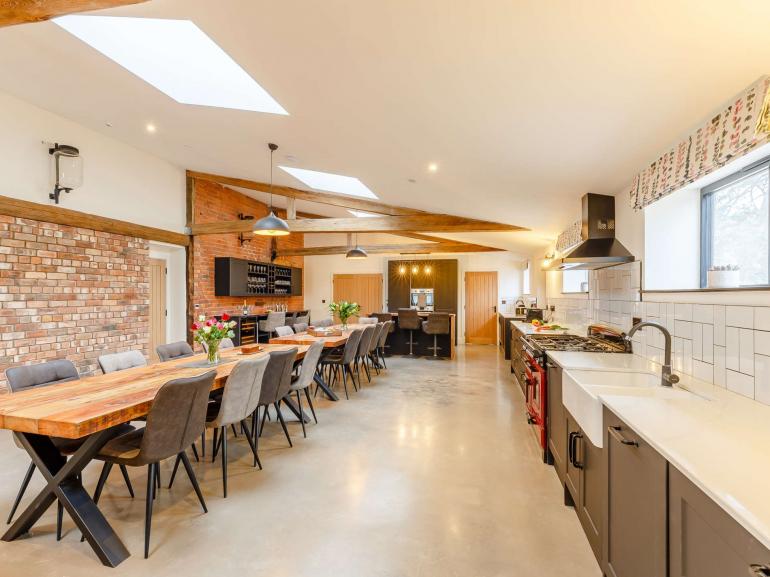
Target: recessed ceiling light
(330,182)
(176,57)
(362,214)
(151,128)
(433,167)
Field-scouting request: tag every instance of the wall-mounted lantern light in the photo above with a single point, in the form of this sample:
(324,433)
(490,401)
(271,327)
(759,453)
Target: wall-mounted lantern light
(67,169)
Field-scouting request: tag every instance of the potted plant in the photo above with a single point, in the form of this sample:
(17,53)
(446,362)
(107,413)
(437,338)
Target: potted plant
(210,332)
(344,310)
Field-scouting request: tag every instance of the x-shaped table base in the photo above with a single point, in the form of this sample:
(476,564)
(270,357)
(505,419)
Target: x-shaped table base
(64,483)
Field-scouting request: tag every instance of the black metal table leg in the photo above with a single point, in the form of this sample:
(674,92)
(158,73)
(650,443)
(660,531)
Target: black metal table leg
(331,395)
(64,482)
(295,409)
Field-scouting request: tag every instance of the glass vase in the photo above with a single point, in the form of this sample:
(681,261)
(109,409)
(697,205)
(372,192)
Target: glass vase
(213,352)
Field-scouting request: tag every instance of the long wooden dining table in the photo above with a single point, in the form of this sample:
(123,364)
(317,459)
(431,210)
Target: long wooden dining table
(91,407)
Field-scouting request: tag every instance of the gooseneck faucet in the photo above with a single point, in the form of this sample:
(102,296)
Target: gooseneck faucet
(667,377)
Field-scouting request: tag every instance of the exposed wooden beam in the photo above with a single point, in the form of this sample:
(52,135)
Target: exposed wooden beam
(58,215)
(291,208)
(319,197)
(25,11)
(421,248)
(417,222)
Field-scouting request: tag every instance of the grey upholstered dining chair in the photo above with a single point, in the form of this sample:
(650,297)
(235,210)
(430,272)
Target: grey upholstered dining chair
(42,375)
(380,351)
(371,354)
(327,322)
(239,400)
(171,351)
(343,361)
(302,320)
(121,361)
(273,320)
(284,331)
(225,343)
(303,381)
(275,386)
(300,327)
(367,320)
(290,319)
(176,419)
(363,351)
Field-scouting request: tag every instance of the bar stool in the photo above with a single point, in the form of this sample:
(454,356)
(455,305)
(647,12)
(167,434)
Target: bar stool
(409,320)
(437,324)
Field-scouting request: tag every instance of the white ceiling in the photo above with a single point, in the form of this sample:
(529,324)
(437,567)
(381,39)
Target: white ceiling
(524,105)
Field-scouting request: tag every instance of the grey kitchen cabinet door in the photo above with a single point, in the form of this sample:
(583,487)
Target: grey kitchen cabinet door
(635,512)
(590,506)
(572,472)
(704,541)
(557,422)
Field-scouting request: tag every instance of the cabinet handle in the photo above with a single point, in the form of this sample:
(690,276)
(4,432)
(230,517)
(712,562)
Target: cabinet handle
(577,464)
(569,448)
(615,432)
(759,570)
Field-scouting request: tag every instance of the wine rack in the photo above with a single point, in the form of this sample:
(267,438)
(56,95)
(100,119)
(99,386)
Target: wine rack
(245,278)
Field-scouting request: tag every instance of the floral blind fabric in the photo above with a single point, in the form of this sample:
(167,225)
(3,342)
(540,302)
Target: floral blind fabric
(737,129)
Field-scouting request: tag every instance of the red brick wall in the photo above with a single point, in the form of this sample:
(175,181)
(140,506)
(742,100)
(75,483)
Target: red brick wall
(70,293)
(214,202)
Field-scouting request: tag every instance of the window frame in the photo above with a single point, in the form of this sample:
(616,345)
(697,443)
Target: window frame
(706,208)
(587,281)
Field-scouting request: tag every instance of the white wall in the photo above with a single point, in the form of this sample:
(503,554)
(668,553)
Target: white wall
(176,289)
(119,181)
(320,270)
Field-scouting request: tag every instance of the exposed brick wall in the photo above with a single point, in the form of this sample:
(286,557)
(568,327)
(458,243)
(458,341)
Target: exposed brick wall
(71,293)
(214,202)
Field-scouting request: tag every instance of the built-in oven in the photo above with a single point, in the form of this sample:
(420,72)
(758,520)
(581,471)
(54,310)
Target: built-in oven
(421,299)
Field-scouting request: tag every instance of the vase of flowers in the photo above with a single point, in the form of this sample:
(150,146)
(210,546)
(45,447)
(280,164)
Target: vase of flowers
(344,310)
(209,332)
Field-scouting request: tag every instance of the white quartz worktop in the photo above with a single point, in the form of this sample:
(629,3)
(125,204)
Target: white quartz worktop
(721,444)
(529,329)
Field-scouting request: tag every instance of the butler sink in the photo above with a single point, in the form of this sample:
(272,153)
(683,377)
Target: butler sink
(581,390)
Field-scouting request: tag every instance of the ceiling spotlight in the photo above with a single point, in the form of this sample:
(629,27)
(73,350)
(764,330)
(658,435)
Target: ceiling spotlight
(433,167)
(151,128)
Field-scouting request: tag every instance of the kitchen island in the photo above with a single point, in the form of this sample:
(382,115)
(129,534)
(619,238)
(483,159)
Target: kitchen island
(398,340)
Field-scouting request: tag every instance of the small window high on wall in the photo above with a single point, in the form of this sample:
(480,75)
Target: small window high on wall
(735,225)
(574,281)
(525,283)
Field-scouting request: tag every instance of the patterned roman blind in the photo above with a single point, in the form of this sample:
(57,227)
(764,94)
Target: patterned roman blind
(742,125)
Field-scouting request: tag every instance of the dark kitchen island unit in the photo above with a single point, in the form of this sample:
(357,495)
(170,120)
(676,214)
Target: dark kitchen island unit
(398,340)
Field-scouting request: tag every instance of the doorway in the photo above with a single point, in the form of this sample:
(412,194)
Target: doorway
(481,308)
(158,313)
(364,289)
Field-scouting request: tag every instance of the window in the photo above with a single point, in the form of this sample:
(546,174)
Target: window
(735,231)
(525,286)
(574,281)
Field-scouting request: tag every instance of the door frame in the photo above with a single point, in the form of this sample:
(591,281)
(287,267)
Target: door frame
(466,296)
(163,337)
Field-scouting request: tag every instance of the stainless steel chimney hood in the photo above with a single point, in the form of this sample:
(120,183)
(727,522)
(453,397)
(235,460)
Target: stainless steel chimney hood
(599,248)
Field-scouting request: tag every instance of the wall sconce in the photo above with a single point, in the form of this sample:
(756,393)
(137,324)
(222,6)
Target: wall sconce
(402,269)
(415,269)
(548,259)
(68,169)
(242,239)
(428,269)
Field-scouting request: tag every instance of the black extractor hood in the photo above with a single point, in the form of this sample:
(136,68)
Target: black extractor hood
(598,248)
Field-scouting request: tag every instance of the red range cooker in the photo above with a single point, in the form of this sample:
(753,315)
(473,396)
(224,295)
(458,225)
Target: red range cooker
(534,352)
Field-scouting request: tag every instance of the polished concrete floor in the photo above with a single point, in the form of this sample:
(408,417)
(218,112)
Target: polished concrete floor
(429,471)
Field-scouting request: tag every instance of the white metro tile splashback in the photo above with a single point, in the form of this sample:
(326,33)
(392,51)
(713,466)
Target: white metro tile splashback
(727,345)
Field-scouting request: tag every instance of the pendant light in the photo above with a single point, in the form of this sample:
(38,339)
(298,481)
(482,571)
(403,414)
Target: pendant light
(271,225)
(356,253)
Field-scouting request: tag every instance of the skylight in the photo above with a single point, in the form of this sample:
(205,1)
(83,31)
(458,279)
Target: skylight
(174,56)
(330,182)
(362,214)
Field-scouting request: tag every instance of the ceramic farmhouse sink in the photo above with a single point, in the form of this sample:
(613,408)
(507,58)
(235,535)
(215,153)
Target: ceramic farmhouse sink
(581,390)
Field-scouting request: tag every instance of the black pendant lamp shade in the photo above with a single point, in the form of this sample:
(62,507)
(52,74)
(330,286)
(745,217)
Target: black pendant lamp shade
(271,225)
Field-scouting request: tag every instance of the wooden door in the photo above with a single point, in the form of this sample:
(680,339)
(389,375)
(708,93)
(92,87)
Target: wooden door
(365,289)
(157,305)
(481,308)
